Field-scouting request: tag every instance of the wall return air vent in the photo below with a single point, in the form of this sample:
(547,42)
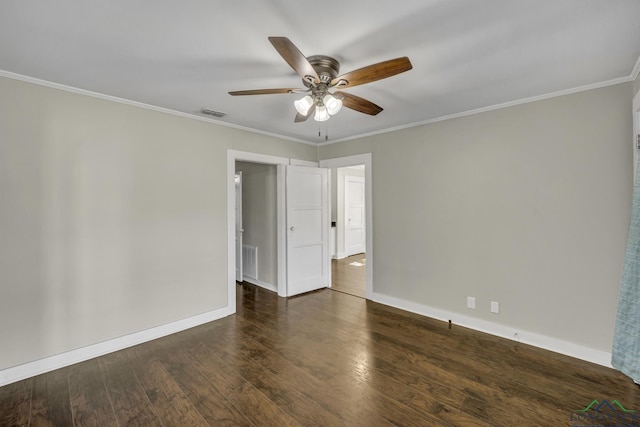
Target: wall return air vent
(213,113)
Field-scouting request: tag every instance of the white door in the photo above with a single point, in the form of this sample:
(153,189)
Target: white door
(354,210)
(239,229)
(307,201)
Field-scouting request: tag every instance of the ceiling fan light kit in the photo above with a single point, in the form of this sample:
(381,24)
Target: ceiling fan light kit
(324,86)
(321,114)
(303,105)
(332,103)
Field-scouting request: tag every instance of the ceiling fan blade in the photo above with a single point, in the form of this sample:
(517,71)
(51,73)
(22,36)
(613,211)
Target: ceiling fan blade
(294,57)
(302,118)
(360,104)
(266,91)
(373,72)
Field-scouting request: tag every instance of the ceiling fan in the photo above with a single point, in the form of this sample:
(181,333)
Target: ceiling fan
(323,84)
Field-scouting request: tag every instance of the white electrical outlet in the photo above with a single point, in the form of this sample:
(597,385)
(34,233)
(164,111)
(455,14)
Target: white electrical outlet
(495,307)
(471,303)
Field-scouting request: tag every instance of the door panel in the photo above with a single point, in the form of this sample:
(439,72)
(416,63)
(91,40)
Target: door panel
(305,260)
(355,235)
(307,229)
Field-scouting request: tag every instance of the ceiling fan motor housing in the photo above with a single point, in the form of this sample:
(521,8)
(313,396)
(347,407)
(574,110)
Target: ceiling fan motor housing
(326,67)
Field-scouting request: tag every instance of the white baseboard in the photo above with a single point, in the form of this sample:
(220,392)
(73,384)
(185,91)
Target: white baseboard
(537,340)
(47,364)
(260,283)
(37,367)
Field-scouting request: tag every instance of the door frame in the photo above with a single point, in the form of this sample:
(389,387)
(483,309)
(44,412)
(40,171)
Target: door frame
(361,159)
(239,230)
(280,162)
(636,130)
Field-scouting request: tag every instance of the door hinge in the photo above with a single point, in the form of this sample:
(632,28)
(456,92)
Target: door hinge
(638,141)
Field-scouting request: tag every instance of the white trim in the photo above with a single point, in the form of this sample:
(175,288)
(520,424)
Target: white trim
(265,285)
(537,340)
(232,157)
(281,229)
(246,156)
(296,162)
(486,109)
(98,95)
(366,160)
(47,364)
(636,70)
(636,130)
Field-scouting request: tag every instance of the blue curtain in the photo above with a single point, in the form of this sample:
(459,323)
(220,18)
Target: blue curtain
(626,339)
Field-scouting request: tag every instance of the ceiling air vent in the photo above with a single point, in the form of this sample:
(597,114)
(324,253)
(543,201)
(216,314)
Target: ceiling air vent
(213,113)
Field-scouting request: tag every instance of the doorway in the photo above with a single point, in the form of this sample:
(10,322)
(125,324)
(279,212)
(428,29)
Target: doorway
(348,266)
(232,157)
(352,269)
(280,162)
(256,222)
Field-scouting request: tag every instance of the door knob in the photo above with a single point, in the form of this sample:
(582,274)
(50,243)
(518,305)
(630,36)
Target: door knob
(292,228)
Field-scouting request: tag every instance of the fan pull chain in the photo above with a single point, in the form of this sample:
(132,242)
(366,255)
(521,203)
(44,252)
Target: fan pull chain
(326,132)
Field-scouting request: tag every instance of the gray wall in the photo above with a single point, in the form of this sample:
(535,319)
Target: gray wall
(259,215)
(528,206)
(112,218)
(636,84)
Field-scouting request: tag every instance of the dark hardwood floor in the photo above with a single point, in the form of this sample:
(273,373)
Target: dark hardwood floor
(349,275)
(324,359)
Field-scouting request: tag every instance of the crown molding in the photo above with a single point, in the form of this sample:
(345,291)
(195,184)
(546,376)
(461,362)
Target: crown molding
(58,86)
(129,102)
(490,108)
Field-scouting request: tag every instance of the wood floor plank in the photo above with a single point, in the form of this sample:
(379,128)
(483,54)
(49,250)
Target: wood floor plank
(340,399)
(289,348)
(330,399)
(130,403)
(255,405)
(171,403)
(242,355)
(378,381)
(215,408)
(390,358)
(50,404)
(15,403)
(90,403)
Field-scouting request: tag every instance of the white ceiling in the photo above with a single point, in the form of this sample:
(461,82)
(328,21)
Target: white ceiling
(185,55)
